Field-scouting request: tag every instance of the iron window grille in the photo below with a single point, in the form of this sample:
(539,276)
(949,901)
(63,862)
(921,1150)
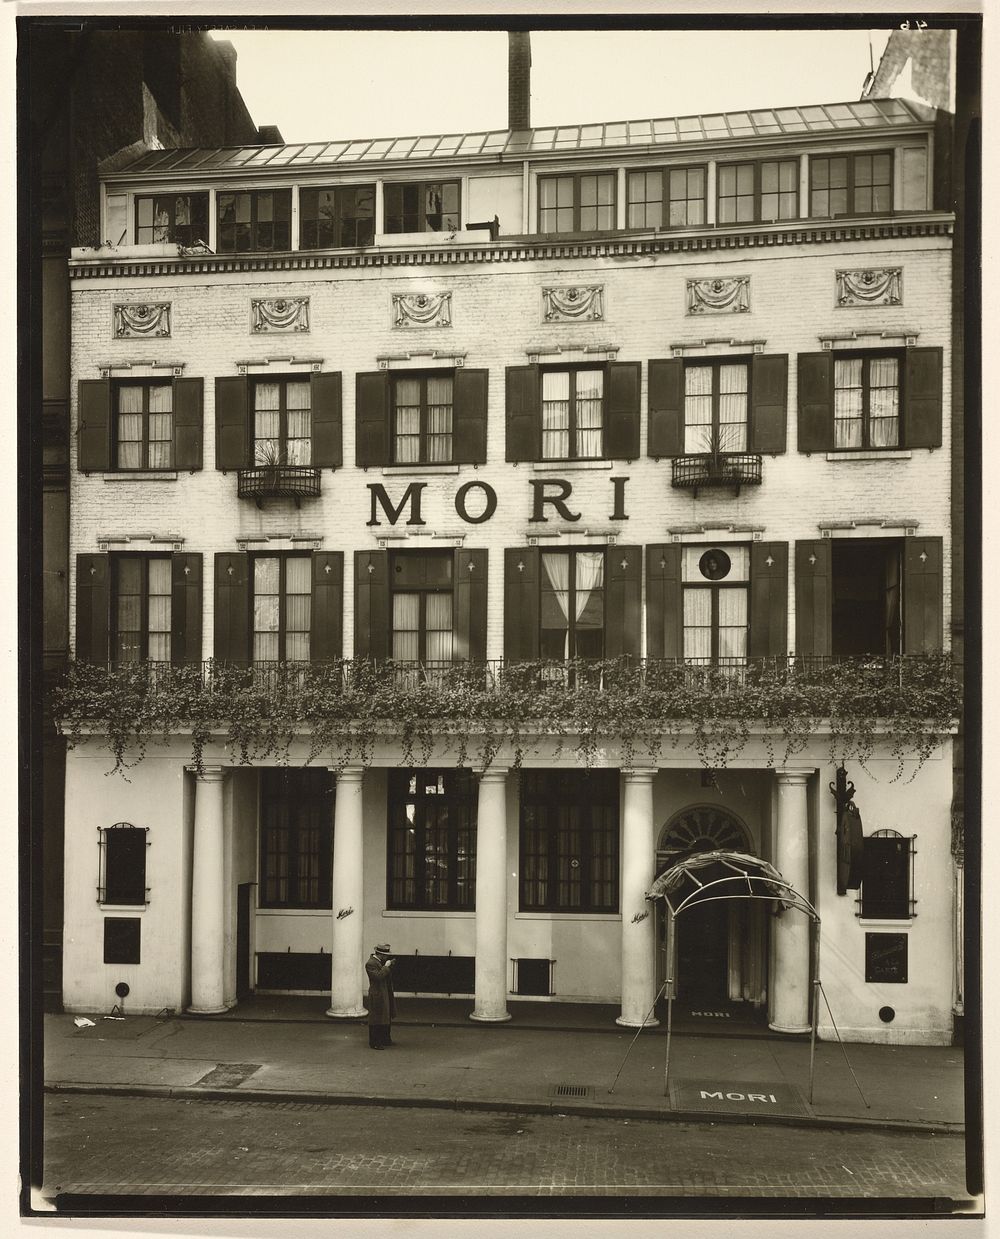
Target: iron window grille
(578,202)
(857,184)
(886,892)
(533,977)
(121,879)
(182,218)
(143,425)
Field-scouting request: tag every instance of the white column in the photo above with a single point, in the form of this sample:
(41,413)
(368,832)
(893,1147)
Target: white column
(790,983)
(491,898)
(638,864)
(347,897)
(208,928)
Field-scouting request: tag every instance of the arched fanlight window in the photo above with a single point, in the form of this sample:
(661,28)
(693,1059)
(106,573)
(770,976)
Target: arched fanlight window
(705,828)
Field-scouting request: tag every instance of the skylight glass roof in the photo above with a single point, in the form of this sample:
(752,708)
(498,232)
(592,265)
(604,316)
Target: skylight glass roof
(816,118)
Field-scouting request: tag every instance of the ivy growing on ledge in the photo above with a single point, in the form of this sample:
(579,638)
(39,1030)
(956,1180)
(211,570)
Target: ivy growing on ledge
(342,709)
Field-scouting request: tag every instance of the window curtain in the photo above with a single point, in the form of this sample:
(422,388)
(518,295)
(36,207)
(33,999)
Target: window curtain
(298,608)
(589,393)
(439,417)
(159,610)
(130,428)
(589,577)
(439,627)
(555,414)
(161,430)
(732,624)
(883,397)
(697,409)
(407,421)
(297,400)
(732,408)
(267,423)
(128,611)
(557,570)
(698,624)
(265,610)
(848,410)
(406,627)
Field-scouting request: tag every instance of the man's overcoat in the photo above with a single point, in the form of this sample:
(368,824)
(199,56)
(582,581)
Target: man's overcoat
(381,999)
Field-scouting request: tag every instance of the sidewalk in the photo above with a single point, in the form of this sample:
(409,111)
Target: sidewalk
(443,1059)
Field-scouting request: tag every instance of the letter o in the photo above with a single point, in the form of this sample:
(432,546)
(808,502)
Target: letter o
(491,502)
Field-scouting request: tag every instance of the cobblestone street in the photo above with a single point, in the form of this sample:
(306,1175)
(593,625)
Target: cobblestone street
(147,1146)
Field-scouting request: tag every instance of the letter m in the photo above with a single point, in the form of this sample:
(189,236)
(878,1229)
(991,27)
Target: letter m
(411,497)
(717,1095)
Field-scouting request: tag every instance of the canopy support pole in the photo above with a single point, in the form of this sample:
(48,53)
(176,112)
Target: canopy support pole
(670,1025)
(636,1037)
(814,997)
(843,1049)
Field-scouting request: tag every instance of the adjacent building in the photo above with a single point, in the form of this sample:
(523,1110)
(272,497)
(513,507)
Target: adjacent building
(667,399)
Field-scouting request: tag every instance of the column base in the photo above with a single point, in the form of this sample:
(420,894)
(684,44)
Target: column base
(489,1019)
(796,1029)
(636,1023)
(352,1014)
(206,1010)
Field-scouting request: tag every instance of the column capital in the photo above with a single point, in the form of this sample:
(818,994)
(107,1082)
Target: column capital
(349,774)
(208,774)
(494,774)
(794,777)
(643,774)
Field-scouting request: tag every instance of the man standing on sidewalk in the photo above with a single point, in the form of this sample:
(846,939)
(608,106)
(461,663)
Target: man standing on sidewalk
(381,999)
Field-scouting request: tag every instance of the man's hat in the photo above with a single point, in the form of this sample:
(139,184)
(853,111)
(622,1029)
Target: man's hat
(383,948)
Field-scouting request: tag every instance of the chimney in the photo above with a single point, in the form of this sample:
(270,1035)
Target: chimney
(518,79)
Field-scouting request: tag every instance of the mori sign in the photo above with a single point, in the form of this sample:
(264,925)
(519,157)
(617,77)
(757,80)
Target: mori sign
(476,502)
(722,1096)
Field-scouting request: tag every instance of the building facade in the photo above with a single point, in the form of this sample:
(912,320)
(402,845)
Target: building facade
(537,410)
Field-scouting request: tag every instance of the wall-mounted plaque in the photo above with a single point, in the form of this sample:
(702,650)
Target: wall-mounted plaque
(886,958)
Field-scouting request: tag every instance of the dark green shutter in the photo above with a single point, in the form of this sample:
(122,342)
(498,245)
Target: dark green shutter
(326,640)
(666,408)
(524,413)
(623,632)
(471,397)
(470,587)
(232,607)
(189,419)
(93,608)
(621,438)
(94,425)
(371,605)
(922,595)
(769,403)
(922,397)
(521,602)
(768,599)
(232,429)
(815,381)
(813,598)
(371,418)
(185,609)
(664,601)
(327,421)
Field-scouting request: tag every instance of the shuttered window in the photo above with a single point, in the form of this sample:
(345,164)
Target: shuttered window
(572,604)
(573,413)
(423,418)
(422,606)
(141,608)
(282,608)
(282,422)
(716,604)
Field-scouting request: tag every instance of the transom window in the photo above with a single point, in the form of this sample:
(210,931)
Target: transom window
(580,202)
(432,840)
(341,216)
(569,841)
(572,414)
(572,600)
(667,198)
(182,218)
(141,586)
(254,220)
(282,608)
(296,839)
(866,402)
(850,185)
(422,606)
(716,405)
(423,408)
(716,603)
(423,206)
(758,192)
(282,422)
(144,425)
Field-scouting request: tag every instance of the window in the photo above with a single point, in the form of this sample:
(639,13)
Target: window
(572,414)
(282,608)
(423,206)
(422,418)
(850,185)
(172,217)
(123,864)
(142,588)
(867,612)
(282,422)
(866,402)
(422,610)
(886,887)
(432,840)
(667,198)
(296,839)
(572,604)
(569,841)
(758,192)
(581,202)
(254,220)
(716,404)
(144,425)
(716,603)
(344,215)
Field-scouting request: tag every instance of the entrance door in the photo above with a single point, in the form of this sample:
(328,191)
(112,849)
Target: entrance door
(703,953)
(244,904)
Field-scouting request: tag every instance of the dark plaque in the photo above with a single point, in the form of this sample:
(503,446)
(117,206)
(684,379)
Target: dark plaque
(885,958)
(121,939)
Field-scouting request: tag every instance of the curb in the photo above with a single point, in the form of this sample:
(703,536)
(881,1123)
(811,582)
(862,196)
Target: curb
(506,1105)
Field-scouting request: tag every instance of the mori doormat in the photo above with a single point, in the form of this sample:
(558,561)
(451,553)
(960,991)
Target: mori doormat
(739,1096)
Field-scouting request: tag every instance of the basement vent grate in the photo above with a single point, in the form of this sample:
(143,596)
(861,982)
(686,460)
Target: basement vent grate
(571,1090)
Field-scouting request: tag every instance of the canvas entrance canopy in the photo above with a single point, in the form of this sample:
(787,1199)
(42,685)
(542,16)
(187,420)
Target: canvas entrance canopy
(700,877)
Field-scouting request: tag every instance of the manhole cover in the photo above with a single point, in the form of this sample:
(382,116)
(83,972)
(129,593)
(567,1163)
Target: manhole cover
(227,1075)
(571,1090)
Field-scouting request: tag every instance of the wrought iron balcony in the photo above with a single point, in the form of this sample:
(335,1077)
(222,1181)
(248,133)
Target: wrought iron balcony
(716,469)
(278,482)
